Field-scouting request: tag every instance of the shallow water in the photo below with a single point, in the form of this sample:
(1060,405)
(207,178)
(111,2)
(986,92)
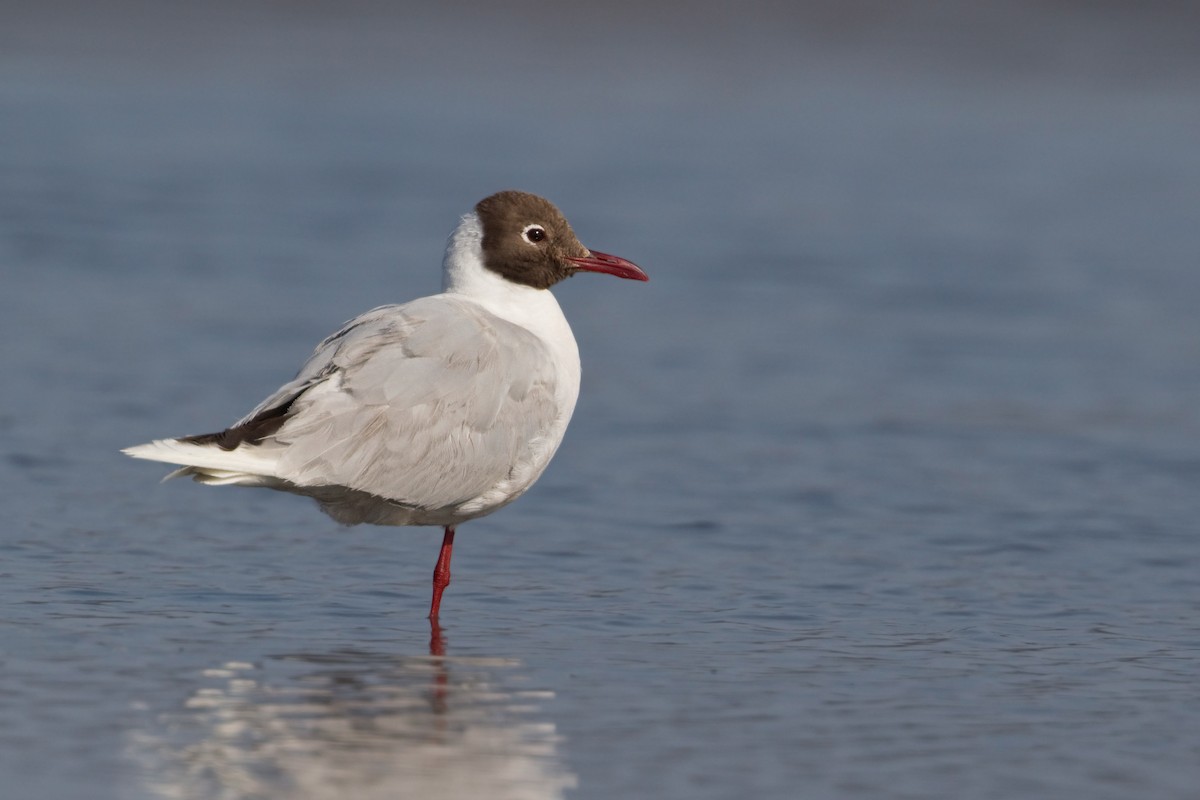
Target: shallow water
(884,486)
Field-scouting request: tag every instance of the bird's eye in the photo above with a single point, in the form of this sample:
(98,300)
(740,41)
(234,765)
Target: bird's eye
(534,233)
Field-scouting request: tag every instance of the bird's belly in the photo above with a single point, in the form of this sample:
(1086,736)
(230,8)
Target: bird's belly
(520,476)
(352,506)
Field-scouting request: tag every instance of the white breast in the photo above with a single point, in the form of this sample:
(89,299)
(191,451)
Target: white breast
(535,310)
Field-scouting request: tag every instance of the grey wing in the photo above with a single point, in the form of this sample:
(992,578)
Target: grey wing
(429,404)
(323,362)
(268,416)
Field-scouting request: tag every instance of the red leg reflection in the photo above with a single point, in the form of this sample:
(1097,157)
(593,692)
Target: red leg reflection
(441,572)
(437,642)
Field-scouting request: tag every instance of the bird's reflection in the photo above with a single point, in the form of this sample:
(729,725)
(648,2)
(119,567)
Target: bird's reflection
(356,724)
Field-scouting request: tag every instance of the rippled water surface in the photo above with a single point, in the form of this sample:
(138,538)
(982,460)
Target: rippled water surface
(885,486)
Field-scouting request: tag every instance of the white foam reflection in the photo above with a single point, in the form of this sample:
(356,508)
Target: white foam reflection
(353,724)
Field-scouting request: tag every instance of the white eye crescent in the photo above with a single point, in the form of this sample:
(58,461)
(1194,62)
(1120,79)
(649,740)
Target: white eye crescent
(533,233)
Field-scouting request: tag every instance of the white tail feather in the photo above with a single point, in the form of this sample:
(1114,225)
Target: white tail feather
(226,466)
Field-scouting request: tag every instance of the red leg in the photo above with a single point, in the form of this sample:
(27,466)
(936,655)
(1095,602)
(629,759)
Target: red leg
(441,572)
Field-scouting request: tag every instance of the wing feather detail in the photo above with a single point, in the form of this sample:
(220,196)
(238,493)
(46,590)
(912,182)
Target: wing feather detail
(430,404)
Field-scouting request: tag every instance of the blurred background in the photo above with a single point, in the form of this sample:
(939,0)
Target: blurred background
(884,486)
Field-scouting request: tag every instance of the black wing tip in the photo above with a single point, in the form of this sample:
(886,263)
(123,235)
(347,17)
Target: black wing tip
(227,439)
(253,431)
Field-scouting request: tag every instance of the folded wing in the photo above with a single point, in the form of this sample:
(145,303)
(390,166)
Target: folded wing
(428,404)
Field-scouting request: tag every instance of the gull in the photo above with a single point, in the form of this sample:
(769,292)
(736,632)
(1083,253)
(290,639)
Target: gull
(432,412)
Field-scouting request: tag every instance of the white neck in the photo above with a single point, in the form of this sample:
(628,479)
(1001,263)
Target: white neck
(464,274)
(463,261)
